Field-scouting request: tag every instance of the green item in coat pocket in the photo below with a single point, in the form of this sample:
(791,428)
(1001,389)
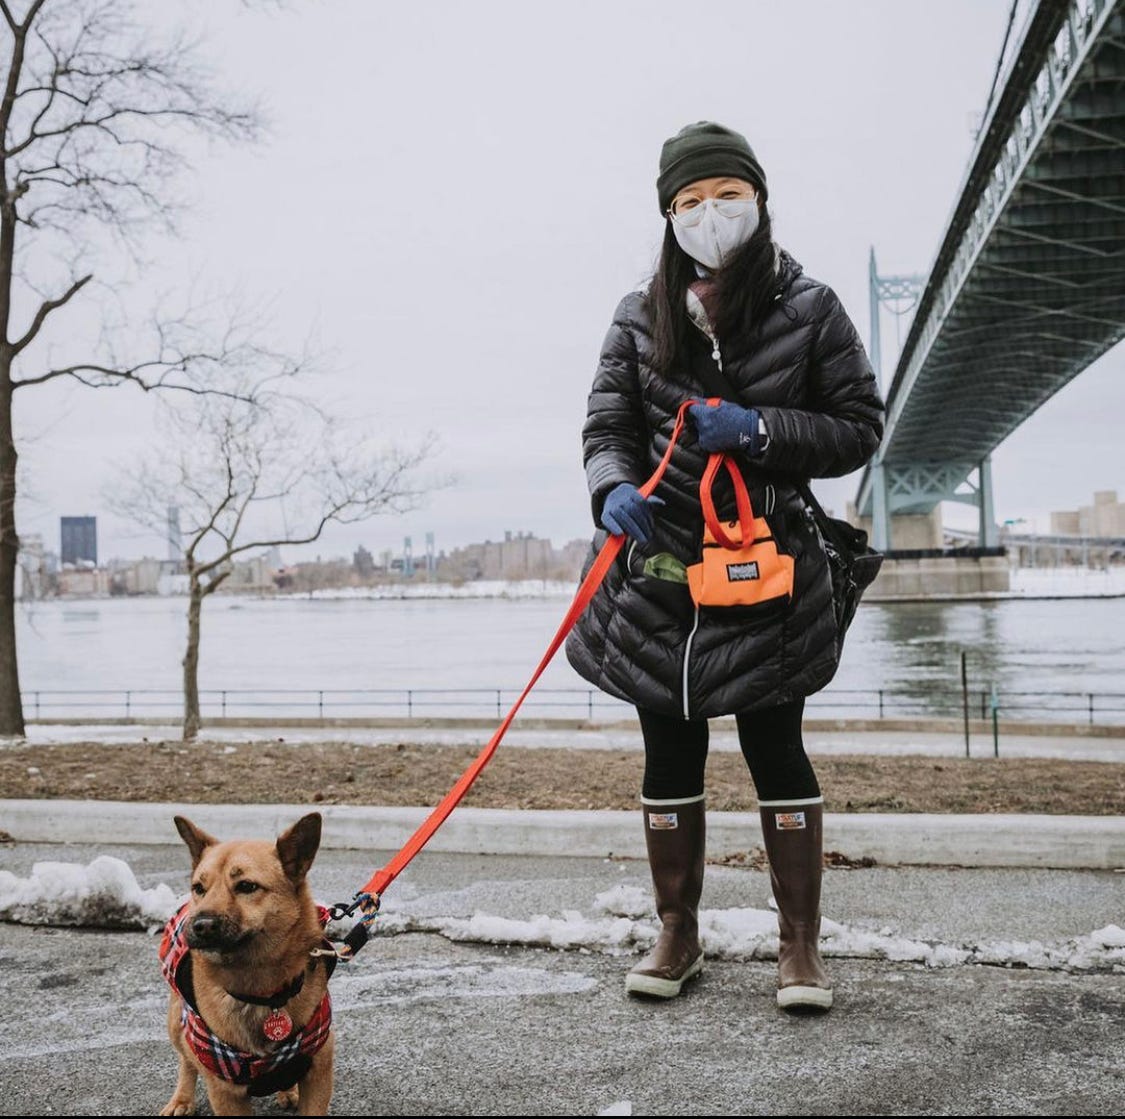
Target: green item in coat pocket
(664,565)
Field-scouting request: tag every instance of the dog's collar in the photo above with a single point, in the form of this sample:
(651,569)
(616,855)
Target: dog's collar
(278,999)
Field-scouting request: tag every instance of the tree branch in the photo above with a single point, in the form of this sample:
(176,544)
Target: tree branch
(128,376)
(46,307)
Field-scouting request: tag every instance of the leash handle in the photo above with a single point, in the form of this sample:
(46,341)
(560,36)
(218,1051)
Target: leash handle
(383,878)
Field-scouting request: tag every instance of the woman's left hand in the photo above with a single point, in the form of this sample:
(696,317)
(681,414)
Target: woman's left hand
(726,427)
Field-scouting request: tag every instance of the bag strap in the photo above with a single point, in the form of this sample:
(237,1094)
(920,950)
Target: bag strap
(824,522)
(718,385)
(741,499)
(716,382)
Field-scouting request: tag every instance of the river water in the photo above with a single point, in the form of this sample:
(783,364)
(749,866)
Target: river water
(1052,659)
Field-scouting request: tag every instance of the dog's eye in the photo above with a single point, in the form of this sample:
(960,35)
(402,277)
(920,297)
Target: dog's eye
(246,887)
(198,889)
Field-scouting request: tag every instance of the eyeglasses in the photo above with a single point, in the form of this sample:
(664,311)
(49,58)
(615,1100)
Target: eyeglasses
(690,211)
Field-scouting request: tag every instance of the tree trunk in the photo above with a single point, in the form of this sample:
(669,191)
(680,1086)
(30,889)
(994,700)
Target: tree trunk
(191,661)
(11,706)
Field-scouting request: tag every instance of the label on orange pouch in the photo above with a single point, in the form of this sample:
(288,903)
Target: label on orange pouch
(788,821)
(663,821)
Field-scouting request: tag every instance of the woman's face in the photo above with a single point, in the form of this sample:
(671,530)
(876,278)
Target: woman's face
(695,194)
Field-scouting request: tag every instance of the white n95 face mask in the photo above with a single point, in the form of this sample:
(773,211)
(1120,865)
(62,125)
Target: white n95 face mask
(711,232)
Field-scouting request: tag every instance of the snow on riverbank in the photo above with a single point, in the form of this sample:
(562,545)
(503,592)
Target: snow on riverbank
(1067,582)
(476,588)
(106,894)
(1026,582)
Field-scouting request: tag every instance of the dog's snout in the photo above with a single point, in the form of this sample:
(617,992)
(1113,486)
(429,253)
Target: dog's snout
(210,930)
(205,924)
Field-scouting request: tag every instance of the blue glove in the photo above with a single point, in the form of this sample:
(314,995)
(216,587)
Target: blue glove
(727,427)
(626,511)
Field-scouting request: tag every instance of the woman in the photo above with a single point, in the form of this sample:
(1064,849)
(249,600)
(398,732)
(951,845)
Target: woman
(727,315)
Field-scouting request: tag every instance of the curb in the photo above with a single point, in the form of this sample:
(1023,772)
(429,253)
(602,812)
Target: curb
(980,727)
(979,840)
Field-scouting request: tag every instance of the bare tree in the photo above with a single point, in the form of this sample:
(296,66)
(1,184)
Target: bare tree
(226,461)
(94,119)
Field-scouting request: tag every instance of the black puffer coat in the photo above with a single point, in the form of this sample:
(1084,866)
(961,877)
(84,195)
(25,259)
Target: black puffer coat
(642,638)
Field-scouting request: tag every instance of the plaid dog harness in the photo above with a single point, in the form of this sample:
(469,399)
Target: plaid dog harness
(264,1075)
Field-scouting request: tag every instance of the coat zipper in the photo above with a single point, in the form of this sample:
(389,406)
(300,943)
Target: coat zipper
(718,359)
(687,661)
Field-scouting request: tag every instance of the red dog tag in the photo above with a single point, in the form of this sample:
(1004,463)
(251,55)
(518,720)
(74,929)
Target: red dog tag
(278,1026)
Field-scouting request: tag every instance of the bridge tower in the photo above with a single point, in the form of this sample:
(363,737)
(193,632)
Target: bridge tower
(898,488)
(900,294)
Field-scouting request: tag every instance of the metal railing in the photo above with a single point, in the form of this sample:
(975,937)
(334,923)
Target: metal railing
(1105,708)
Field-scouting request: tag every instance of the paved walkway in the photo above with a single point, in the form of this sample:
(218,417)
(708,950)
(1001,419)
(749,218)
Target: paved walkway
(818,742)
(431,1027)
(984,839)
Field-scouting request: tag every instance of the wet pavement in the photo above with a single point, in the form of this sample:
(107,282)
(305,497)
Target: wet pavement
(429,1026)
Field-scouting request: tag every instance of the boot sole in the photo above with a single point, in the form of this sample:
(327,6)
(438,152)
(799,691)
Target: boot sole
(657,988)
(804,998)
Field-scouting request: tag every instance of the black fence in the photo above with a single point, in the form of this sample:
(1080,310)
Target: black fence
(1105,708)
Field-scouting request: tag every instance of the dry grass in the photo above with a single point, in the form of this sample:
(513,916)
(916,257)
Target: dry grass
(406,774)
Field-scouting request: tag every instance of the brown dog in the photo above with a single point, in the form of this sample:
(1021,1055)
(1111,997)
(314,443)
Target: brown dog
(250,1007)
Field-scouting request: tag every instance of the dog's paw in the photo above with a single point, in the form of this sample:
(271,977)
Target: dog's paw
(179,1105)
(288,1100)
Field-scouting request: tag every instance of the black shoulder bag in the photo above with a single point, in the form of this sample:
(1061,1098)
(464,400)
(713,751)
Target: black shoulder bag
(851,561)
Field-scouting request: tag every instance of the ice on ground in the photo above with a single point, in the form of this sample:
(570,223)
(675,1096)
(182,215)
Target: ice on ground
(104,894)
(624,901)
(622,1107)
(742,934)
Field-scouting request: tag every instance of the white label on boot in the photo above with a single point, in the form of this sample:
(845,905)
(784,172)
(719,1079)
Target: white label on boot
(663,821)
(788,821)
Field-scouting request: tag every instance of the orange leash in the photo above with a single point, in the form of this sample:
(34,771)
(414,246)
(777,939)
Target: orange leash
(367,899)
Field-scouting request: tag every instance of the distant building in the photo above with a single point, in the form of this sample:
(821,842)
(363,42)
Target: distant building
(364,562)
(79,540)
(33,568)
(175,536)
(520,555)
(1104,519)
(84,582)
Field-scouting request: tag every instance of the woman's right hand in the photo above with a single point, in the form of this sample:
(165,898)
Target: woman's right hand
(627,512)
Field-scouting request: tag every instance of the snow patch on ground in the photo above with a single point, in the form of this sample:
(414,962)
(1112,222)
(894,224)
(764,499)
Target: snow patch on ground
(740,934)
(104,894)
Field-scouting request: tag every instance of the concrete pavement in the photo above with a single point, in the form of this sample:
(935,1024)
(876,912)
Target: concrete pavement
(427,1026)
(930,738)
(917,839)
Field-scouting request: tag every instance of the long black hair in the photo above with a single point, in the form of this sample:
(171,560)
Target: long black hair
(745,287)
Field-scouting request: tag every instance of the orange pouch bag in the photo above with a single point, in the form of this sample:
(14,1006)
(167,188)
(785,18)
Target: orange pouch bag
(741,564)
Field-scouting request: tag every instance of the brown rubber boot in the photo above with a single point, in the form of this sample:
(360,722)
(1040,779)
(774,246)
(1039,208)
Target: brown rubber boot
(793,833)
(675,837)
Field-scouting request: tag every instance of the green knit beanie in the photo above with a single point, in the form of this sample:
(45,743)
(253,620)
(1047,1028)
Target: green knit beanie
(705,150)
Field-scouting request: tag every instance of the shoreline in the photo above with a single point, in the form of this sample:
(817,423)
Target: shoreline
(1031,583)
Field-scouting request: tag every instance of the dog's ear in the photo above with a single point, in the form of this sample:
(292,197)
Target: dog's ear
(197,840)
(297,847)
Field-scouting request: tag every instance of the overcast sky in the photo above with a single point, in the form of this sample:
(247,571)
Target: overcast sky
(451,198)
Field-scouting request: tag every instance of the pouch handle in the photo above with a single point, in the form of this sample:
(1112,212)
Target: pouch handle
(741,498)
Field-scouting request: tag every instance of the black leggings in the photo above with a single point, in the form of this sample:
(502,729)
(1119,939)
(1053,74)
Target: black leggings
(676,754)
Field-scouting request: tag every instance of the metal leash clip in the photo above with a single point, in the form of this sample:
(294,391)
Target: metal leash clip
(368,905)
